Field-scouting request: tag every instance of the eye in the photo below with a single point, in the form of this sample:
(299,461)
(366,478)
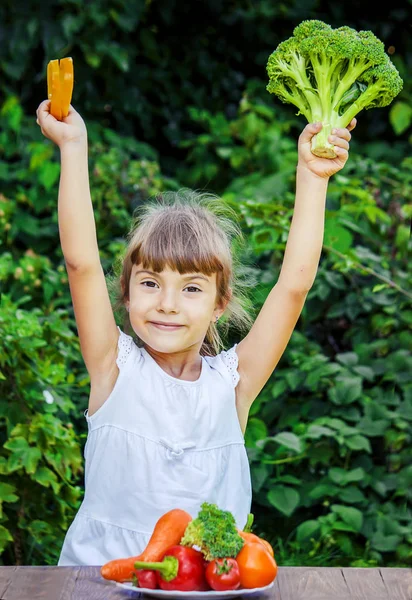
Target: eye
(143,282)
(189,287)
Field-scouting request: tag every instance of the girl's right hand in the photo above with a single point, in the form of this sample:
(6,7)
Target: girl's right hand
(71,130)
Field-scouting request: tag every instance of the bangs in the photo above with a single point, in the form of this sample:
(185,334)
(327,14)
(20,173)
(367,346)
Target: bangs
(176,244)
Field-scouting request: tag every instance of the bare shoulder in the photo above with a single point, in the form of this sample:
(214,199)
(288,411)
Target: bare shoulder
(102,386)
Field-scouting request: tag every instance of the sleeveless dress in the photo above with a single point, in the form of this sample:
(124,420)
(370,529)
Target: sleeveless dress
(158,443)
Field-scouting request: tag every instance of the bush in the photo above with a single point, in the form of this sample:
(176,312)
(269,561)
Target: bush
(43,380)
(329,437)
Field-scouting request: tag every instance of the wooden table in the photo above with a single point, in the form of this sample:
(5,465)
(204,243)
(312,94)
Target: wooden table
(292,583)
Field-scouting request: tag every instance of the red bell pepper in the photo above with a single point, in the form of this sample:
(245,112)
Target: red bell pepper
(181,569)
(145,579)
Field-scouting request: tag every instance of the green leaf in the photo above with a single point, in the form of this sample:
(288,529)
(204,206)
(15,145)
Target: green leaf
(317,431)
(7,493)
(402,237)
(351,516)
(289,440)
(351,495)
(335,423)
(358,442)
(260,474)
(346,390)
(119,55)
(385,543)
(264,238)
(365,372)
(285,499)
(349,359)
(5,537)
(93,59)
(256,430)
(336,236)
(288,479)
(379,487)
(379,287)
(374,428)
(224,152)
(323,490)
(22,455)
(306,530)
(13,112)
(400,116)
(344,543)
(342,477)
(49,174)
(294,379)
(335,280)
(341,526)
(278,388)
(47,478)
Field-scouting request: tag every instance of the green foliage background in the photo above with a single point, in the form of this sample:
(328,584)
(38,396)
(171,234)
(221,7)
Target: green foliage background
(173,95)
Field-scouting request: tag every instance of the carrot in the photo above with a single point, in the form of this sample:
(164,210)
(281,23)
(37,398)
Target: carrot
(251,537)
(257,567)
(168,532)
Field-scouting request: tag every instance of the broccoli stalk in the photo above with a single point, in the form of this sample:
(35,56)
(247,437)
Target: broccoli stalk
(331,75)
(214,532)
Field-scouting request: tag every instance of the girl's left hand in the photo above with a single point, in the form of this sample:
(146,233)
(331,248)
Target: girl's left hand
(324,167)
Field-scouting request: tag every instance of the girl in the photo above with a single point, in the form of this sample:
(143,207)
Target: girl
(167,415)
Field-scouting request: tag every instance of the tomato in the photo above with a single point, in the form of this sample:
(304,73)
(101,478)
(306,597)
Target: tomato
(223,574)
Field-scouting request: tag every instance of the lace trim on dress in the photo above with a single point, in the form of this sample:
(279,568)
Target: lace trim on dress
(231,360)
(124,344)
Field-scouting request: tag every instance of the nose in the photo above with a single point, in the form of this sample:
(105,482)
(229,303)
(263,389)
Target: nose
(168,301)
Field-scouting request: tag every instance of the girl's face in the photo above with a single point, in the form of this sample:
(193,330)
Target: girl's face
(187,301)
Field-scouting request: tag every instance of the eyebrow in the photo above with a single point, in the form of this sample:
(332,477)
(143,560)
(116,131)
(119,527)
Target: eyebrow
(196,276)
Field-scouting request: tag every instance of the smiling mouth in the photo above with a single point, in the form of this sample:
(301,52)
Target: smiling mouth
(163,326)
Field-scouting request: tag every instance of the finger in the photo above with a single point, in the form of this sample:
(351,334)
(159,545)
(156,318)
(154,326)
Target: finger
(339,142)
(309,131)
(342,133)
(44,107)
(341,153)
(352,124)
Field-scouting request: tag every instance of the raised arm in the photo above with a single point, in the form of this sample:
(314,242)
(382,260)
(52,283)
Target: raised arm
(75,211)
(96,326)
(278,316)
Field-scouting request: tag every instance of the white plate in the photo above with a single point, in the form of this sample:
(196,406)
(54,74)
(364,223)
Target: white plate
(209,594)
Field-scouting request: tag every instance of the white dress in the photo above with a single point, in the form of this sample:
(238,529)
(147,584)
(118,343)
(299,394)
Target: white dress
(158,443)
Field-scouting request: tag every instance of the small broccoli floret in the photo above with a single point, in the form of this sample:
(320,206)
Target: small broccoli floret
(214,532)
(331,75)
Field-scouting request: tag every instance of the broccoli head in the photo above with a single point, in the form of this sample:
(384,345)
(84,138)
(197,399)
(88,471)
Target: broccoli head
(214,532)
(331,75)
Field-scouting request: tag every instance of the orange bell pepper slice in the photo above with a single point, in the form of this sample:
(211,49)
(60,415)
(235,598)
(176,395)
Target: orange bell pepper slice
(60,86)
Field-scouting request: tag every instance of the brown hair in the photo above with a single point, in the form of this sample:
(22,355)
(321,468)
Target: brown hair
(187,231)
